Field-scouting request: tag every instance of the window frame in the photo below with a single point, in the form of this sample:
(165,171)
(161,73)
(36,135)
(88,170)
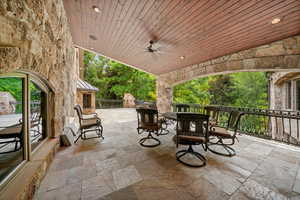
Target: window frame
(27,153)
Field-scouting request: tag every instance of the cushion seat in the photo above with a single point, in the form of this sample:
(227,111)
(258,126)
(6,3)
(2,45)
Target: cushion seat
(185,139)
(88,123)
(220,132)
(12,131)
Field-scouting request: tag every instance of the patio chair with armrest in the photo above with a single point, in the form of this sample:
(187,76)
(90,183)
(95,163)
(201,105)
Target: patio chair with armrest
(11,134)
(191,129)
(148,121)
(88,123)
(213,115)
(225,134)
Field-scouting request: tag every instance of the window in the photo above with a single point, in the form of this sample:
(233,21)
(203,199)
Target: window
(289,95)
(87,100)
(23,120)
(38,114)
(12,95)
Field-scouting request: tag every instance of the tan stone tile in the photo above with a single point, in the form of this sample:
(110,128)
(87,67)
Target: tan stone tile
(259,149)
(150,169)
(296,187)
(54,180)
(122,194)
(96,187)
(202,189)
(161,193)
(126,177)
(69,163)
(68,192)
(222,181)
(239,196)
(78,174)
(275,174)
(254,190)
(110,164)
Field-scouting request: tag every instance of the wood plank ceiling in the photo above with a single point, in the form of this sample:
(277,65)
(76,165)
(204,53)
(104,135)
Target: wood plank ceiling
(199,30)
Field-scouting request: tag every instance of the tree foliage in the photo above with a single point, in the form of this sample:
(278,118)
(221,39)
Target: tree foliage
(244,89)
(114,79)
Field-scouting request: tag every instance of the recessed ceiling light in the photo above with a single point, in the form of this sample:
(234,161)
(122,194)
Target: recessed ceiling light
(182,57)
(276,20)
(93,37)
(96,9)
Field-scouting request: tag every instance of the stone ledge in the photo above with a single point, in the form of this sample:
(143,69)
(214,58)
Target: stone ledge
(28,179)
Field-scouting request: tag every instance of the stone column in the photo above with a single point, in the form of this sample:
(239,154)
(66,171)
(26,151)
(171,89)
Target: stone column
(164,95)
(81,64)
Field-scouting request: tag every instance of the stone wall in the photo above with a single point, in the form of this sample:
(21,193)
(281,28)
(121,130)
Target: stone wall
(280,55)
(283,129)
(35,36)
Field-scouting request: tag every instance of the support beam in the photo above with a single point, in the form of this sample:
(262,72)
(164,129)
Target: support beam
(164,93)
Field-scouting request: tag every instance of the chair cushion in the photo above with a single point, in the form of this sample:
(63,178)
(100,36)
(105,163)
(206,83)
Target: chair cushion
(220,132)
(11,132)
(190,140)
(88,123)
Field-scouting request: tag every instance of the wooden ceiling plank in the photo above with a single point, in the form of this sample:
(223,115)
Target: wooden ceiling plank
(111,23)
(226,21)
(148,28)
(137,8)
(155,24)
(256,20)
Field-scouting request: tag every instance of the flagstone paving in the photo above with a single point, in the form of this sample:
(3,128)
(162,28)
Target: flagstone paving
(118,168)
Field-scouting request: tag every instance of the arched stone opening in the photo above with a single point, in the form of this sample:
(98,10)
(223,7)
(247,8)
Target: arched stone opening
(279,56)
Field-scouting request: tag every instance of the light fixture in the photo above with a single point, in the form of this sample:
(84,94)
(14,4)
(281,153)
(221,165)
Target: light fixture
(96,9)
(276,20)
(93,37)
(182,57)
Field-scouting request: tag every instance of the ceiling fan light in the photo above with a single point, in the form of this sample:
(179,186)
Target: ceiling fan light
(96,9)
(276,20)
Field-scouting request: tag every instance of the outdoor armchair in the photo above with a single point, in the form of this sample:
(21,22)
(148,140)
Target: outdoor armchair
(88,123)
(148,121)
(225,136)
(11,134)
(191,129)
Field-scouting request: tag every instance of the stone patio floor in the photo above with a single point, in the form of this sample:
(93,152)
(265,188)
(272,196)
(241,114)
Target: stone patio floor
(118,168)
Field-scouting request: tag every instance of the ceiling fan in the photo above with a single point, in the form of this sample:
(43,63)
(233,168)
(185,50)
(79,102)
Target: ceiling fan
(153,47)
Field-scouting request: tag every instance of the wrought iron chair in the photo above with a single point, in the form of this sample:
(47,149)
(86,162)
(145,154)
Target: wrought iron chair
(36,125)
(182,108)
(228,134)
(12,134)
(149,122)
(88,124)
(191,129)
(213,115)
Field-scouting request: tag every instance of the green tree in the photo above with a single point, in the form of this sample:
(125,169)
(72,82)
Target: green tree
(195,91)
(221,90)
(114,79)
(250,89)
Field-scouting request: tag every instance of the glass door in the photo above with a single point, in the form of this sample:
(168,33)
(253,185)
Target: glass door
(12,126)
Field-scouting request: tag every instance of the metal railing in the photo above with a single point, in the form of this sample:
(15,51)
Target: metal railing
(280,125)
(109,103)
